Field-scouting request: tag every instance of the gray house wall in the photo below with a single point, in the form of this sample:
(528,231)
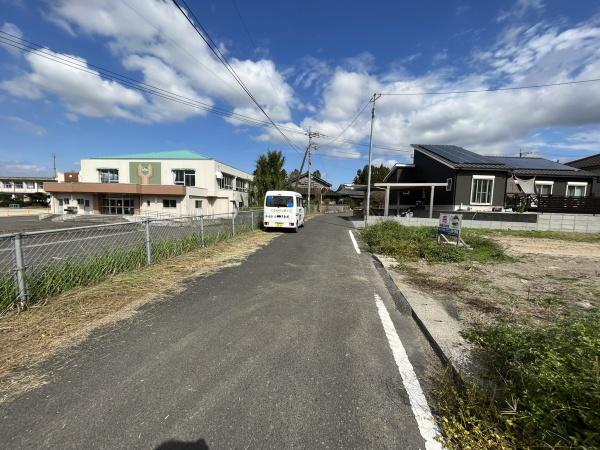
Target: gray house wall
(464,178)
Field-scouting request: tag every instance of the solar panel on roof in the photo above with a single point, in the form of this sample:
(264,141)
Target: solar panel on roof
(534,164)
(459,155)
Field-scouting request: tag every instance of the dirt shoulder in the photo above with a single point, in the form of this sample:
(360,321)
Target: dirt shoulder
(34,336)
(546,279)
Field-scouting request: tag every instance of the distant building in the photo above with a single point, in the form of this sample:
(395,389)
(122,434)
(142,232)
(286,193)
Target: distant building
(170,183)
(318,187)
(23,189)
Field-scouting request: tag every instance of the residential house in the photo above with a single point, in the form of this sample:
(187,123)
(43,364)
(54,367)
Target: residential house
(462,180)
(172,183)
(318,187)
(590,164)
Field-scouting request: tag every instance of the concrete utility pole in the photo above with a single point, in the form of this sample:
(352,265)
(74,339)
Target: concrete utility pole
(311,134)
(368,205)
(54,164)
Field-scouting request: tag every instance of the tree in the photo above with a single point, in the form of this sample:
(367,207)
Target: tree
(294,174)
(269,174)
(377,174)
(316,173)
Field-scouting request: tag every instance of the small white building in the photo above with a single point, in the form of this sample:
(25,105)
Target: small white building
(23,187)
(172,183)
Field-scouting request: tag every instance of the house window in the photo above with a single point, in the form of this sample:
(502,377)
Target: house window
(169,203)
(226,181)
(198,204)
(7,185)
(544,187)
(18,185)
(108,175)
(482,187)
(576,189)
(185,177)
(241,185)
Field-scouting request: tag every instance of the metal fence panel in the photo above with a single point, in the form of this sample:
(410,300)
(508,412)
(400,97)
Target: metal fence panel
(54,261)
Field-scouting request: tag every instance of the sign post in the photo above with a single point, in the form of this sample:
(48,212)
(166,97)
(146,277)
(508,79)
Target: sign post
(450,224)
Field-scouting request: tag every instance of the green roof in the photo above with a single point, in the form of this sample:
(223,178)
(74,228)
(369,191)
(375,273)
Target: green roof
(175,154)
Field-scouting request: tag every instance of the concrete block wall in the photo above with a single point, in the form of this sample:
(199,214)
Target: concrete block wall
(580,223)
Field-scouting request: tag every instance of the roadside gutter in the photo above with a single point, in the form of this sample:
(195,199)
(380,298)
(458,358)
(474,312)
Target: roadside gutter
(440,328)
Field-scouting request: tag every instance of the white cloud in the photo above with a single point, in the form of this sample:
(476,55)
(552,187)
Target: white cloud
(520,9)
(154,38)
(83,93)
(21,124)
(13,30)
(20,168)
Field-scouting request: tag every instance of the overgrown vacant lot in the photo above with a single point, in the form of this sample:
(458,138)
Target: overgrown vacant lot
(530,303)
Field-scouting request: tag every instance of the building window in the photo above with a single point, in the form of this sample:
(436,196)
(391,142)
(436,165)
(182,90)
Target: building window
(482,188)
(117,205)
(60,202)
(30,185)
(544,187)
(226,181)
(241,185)
(109,175)
(240,204)
(448,184)
(576,189)
(185,177)
(198,204)
(86,203)
(80,202)
(18,185)
(169,203)
(7,184)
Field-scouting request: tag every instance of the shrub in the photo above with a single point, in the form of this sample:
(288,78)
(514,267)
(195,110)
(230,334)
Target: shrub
(539,388)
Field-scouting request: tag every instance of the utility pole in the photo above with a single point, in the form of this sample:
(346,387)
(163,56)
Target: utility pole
(54,164)
(311,135)
(367,208)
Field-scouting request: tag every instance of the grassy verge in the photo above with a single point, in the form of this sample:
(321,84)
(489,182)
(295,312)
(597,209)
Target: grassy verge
(62,277)
(541,388)
(557,235)
(35,335)
(413,243)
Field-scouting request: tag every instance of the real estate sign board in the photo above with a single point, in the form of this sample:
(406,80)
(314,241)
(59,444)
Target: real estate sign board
(144,172)
(450,224)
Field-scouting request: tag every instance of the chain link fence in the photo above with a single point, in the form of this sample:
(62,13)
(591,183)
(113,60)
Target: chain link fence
(39,264)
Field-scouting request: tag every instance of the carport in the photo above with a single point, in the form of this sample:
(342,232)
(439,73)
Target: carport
(400,186)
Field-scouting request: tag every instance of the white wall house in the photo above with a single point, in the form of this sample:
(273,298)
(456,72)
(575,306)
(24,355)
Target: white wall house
(158,184)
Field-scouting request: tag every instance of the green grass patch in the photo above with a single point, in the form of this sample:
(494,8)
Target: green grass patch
(541,388)
(558,235)
(413,243)
(54,279)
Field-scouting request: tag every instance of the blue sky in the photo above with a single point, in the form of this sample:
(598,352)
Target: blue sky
(310,64)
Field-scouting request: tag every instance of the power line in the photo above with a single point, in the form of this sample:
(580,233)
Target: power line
(74,63)
(205,36)
(513,88)
(350,124)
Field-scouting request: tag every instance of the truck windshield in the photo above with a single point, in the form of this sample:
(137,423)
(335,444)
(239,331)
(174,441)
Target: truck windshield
(279,201)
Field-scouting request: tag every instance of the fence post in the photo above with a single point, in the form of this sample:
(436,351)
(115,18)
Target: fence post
(252,220)
(233,224)
(202,229)
(20,269)
(148,244)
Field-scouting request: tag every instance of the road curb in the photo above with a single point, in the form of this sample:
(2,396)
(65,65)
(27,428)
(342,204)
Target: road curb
(404,305)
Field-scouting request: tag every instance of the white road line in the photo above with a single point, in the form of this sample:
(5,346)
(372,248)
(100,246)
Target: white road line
(354,242)
(418,403)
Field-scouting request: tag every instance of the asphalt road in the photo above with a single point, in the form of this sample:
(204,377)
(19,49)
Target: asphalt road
(287,350)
